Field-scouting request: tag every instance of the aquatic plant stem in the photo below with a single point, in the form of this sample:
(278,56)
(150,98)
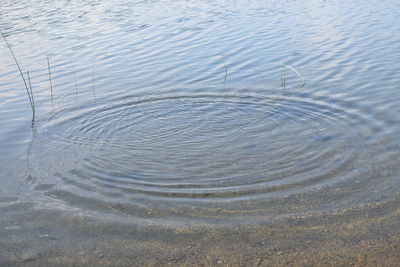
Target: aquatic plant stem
(51,83)
(283,74)
(295,71)
(94,92)
(23,78)
(225,67)
(283,77)
(74,74)
(31,99)
(76,85)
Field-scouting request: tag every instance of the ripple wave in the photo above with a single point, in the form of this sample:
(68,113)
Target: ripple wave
(202,156)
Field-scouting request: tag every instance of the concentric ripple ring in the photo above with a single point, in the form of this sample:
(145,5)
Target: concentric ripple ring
(203,156)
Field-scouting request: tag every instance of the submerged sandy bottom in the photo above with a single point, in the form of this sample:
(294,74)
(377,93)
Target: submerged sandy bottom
(367,237)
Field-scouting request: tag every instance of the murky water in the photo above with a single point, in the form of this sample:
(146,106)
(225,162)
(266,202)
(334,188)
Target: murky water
(170,134)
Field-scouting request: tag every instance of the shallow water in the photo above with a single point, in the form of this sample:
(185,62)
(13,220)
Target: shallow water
(170,134)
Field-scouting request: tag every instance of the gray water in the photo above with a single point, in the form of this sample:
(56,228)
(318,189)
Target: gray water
(171,133)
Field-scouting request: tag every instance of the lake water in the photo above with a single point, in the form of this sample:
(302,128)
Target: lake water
(200,132)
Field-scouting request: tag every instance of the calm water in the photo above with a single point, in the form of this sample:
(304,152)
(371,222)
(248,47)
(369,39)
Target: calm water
(169,133)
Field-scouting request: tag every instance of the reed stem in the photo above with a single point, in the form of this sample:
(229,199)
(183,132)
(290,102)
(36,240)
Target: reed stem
(283,74)
(31,99)
(30,95)
(94,92)
(51,83)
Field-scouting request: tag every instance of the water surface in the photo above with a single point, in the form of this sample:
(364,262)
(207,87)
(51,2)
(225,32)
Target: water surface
(170,134)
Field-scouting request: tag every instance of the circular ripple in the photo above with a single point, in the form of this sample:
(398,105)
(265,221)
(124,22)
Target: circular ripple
(204,156)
